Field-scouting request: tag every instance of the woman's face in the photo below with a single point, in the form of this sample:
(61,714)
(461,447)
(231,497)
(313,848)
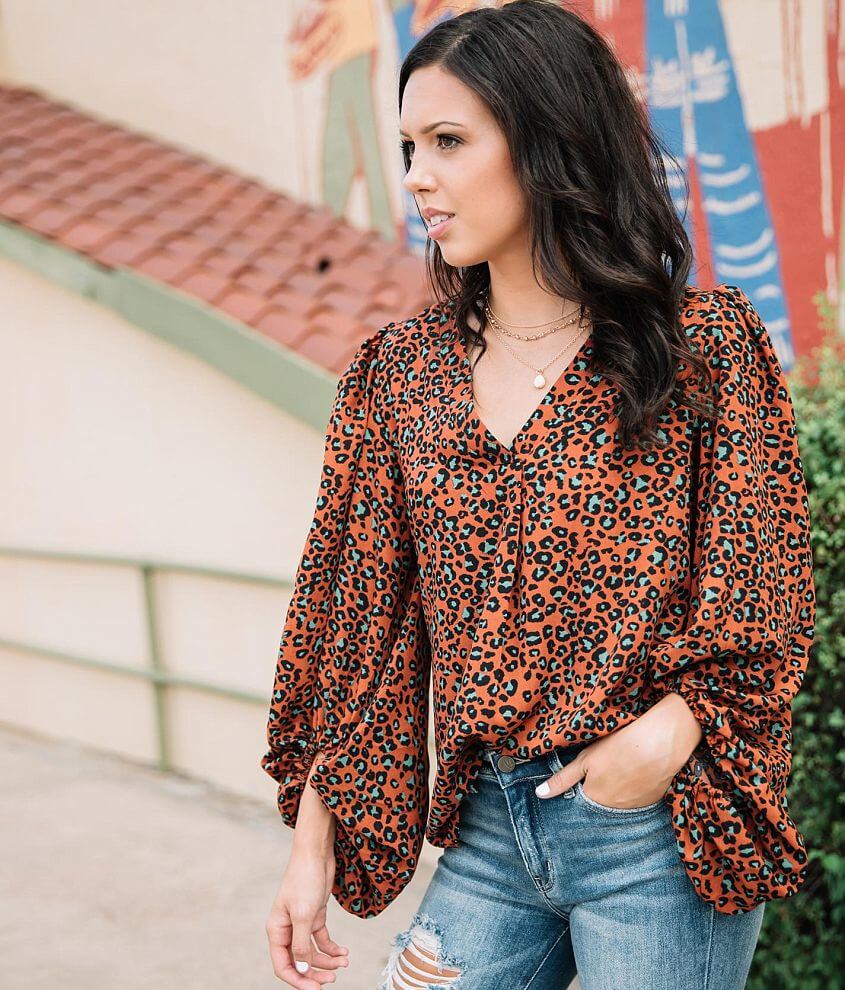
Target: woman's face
(463,167)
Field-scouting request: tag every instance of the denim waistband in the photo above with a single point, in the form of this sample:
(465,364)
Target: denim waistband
(565,752)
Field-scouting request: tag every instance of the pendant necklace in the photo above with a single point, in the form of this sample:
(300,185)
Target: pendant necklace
(540,378)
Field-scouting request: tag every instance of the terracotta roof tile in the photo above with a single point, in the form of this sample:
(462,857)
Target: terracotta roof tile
(311,282)
(302,306)
(339,325)
(164,266)
(378,317)
(296,272)
(88,235)
(285,327)
(243,305)
(204,284)
(345,301)
(125,250)
(19,203)
(52,219)
(325,350)
(222,261)
(264,282)
(188,246)
(118,214)
(274,259)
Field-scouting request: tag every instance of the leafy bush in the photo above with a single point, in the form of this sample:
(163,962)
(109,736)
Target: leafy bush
(802,942)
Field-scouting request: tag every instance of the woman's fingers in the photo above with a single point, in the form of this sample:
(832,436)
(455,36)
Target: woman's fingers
(304,954)
(316,963)
(338,955)
(297,916)
(284,957)
(315,979)
(563,779)
(284,969)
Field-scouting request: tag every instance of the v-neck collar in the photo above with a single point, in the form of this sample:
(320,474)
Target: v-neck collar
(470,426)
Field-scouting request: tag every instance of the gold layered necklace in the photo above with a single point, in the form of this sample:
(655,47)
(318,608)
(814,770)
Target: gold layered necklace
(501,331)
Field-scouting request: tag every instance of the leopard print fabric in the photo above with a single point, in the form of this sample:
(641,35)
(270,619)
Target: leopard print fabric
(544,594)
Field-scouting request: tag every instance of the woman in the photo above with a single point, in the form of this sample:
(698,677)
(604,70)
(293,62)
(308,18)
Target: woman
(569,498)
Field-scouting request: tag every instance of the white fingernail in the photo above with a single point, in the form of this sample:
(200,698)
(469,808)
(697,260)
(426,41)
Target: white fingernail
(542,790)
(301,966)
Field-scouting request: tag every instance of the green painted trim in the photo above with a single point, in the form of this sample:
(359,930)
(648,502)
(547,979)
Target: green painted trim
(151,675)
(67,268)
(145,563)
(278,374)
(154,647)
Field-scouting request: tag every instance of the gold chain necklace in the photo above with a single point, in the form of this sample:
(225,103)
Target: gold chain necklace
(491,316)
(540,379)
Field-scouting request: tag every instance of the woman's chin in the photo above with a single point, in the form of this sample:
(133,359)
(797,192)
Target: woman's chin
(458,258)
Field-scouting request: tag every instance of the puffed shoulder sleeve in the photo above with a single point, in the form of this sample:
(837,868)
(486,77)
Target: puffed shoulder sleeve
(351,682)
(741,655)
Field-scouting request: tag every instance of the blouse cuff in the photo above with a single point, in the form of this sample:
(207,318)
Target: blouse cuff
(729,811)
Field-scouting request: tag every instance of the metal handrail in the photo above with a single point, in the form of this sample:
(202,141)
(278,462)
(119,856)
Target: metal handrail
(155,674)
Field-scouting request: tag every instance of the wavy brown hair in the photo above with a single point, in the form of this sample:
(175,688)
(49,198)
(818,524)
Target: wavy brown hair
(602,225)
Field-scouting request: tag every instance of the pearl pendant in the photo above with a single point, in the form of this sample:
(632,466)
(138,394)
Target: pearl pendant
(539,381)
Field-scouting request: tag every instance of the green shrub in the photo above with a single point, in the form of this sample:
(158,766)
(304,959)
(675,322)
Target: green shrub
(802,942)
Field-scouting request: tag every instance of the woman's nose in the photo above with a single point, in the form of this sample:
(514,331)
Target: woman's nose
(416,180)
(415,185)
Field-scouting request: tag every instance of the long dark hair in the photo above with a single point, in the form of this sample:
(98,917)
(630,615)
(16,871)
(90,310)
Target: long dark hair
(603,227)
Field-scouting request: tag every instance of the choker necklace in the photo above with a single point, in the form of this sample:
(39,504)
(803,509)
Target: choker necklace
(555,324)
(518,336)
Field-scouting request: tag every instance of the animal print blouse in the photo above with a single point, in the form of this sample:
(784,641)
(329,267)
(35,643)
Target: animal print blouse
(548,593)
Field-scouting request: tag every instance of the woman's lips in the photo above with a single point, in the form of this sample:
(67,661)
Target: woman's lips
(439,229)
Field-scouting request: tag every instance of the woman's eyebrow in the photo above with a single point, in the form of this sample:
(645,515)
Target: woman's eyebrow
(437,123)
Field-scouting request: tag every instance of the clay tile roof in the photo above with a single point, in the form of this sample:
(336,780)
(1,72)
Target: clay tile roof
(298,274)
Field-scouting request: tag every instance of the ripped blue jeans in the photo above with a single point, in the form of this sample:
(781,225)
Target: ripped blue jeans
(539,890)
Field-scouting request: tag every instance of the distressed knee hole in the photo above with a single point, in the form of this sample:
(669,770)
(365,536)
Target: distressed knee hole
(417,962)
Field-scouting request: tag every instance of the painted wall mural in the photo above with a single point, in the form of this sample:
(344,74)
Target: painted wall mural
(748,95)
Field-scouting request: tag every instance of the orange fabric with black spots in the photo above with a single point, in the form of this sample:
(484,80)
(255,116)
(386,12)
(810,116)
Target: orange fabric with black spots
(548,593)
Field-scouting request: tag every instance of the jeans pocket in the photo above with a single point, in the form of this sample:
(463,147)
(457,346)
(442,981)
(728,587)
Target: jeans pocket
(608,810)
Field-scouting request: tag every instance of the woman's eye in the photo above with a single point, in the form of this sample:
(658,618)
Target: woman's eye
(408,146)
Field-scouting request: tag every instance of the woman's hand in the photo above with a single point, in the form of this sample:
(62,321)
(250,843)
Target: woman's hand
(298,914)
(634,765)
(299,910)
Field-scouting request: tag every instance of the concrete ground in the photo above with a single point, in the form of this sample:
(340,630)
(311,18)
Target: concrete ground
(118,877)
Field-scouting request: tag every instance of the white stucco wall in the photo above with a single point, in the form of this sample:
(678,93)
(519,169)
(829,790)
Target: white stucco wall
(114,442)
